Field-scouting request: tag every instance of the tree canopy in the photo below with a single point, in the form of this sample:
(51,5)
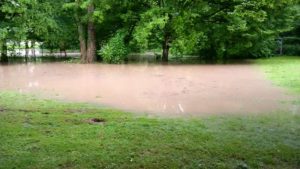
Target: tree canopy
(212,29)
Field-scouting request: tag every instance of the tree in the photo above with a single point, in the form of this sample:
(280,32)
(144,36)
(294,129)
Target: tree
(64,34)
(215,29)
(245,28)
(87,14)
(91,39)
(26,20)
(10,11)
(166,23)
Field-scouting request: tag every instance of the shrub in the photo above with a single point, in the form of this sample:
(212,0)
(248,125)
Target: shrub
(115,50)
(263,48)
(291,46)
(291,49)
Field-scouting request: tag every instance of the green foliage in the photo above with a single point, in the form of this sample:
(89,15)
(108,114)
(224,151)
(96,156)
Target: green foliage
(291,45)
(115,50)
(263,48)
(64,34)
(247,28)
(3,33)
(171,20)
(291,49)
(150,27)
(214,29)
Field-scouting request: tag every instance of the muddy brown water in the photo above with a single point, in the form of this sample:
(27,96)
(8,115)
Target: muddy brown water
(153,89)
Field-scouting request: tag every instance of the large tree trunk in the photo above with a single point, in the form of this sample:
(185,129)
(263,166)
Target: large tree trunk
(91,41)
(82,41)
(4,57)
(81,34)
(166,47)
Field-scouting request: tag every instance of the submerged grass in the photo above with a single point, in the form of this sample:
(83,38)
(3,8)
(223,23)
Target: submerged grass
(41,133)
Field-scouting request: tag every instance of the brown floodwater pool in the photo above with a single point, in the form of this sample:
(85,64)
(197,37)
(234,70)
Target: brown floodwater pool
(154,89)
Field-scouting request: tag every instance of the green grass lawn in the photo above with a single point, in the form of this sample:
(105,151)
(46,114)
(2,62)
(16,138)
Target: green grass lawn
(284,71)
(41,133)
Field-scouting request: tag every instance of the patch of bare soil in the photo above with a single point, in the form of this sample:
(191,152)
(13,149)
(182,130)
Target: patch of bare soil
(96,121)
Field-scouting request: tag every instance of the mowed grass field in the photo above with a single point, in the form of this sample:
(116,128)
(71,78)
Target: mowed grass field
(42,133)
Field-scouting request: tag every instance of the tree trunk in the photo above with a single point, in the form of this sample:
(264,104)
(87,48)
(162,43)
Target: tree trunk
(65,53)
(42,50)
(166,47)
(26,50)
(33,48)
(60,52)
(13,51)
(82,42)
(19,45)
(91,41)
(4,58)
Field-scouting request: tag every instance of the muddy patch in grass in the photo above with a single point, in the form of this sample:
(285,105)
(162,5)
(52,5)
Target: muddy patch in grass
(96,121)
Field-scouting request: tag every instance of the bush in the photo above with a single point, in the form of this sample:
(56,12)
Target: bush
(291,49)
(291,46)
(115,50)
(263,48)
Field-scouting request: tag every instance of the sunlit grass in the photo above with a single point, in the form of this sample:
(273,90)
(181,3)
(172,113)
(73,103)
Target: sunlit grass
(283,71)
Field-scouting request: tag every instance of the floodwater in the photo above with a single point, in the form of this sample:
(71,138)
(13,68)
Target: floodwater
(154,89)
